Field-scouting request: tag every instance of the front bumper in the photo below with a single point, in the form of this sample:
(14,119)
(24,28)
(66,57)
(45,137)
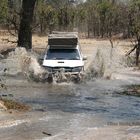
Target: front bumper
(74,70)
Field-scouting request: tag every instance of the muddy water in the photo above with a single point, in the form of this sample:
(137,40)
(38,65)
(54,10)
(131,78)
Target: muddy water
(89,110)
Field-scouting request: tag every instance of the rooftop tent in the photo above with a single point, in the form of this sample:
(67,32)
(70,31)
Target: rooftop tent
(63,38)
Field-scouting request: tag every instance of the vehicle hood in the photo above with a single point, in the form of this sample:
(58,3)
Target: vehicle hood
(63,63)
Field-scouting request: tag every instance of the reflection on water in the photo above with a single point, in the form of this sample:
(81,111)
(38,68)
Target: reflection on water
(108,106)
(90,98)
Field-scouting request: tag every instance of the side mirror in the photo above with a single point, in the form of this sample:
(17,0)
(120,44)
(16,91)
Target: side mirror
(84,58)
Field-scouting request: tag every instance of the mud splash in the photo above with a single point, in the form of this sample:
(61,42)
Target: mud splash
(21,62)
(106,62)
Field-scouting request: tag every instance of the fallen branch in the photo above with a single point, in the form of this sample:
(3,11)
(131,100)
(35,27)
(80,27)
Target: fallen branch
(45,133)
(128,53)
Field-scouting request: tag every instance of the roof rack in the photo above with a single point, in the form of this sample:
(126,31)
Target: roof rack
(63,38)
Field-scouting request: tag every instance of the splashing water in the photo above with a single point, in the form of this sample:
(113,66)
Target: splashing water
(106,61)
(31,68)
(22,62)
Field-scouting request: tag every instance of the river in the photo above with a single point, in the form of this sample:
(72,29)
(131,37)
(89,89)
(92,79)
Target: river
(92,109)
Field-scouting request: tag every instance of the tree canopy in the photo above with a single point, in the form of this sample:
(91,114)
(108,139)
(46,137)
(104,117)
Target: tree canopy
(93,18)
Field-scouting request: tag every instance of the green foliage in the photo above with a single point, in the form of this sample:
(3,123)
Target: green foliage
(104,7)
(81,13)
(58,14)
(134,7)
(46,15)
(101,18)
(3,10)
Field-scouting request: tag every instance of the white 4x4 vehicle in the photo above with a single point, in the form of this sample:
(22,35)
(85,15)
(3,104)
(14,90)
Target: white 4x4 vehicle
(63,53)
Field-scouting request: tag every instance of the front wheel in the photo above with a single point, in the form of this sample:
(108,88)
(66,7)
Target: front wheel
(76,78)
(50,78)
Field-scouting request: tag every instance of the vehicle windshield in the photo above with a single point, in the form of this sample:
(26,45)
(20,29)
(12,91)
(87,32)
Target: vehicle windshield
(62,54)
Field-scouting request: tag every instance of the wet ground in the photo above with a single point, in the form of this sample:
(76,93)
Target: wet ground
(91,110)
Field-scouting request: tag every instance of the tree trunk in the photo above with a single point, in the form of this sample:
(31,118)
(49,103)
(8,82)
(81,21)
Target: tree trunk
(25,30)
(137,52)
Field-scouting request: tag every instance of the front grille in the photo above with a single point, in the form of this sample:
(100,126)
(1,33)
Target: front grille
(65,69)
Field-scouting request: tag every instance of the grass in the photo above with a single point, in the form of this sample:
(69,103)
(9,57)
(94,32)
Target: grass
(10,104)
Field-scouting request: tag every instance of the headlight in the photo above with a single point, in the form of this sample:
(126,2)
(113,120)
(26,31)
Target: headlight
(77,69)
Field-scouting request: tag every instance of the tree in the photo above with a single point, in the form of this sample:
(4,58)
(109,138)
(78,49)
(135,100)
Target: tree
(3,10)
(46,16)
(134,18)
(25,29)
(65,13)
